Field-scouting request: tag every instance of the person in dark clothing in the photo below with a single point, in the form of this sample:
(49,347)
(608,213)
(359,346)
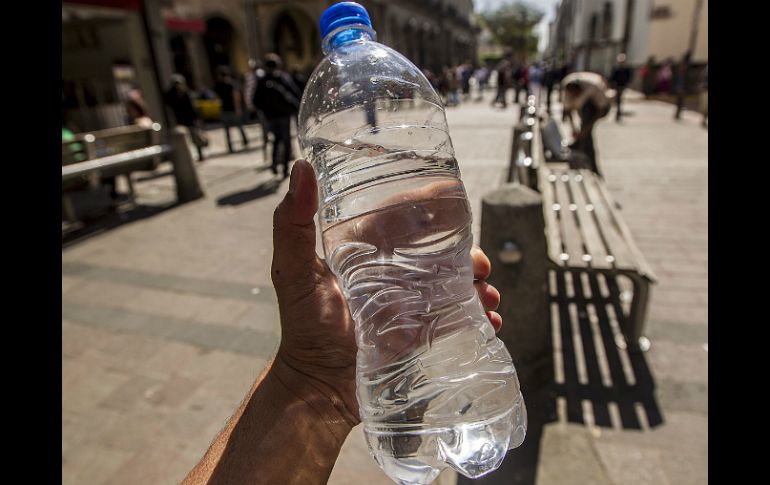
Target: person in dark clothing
(619,80)
(466,71)
(680,84)
(549,79)
(519,83)
(278,98)
(230,95)
(504,71)
(179,100)
(564,71)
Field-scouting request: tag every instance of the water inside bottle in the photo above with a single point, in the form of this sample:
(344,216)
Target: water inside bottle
(436,388)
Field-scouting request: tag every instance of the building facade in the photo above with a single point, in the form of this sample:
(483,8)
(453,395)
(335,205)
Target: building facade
(591,33)
(111,44)
(431,33)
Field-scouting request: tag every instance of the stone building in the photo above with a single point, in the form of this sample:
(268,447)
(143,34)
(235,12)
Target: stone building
(590,33)
(111,44)
(432,33)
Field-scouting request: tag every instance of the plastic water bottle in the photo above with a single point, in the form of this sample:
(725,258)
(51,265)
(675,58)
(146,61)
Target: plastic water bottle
(435,387)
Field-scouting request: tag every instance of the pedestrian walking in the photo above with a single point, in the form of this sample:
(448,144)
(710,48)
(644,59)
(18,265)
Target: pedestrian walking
(278,98)
(504,78)
(621,76)
(680,84)
(550,74)
(519,81)
(178,99)
(230,95)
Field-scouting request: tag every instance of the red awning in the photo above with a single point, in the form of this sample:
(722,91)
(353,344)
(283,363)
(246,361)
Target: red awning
(186,25)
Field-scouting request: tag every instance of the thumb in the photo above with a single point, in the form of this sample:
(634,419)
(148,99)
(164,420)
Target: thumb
(293,225)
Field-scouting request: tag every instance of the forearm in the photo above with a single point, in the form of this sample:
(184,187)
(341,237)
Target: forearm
(285,431)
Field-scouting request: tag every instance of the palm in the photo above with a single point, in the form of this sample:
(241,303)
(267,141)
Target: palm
(318,333)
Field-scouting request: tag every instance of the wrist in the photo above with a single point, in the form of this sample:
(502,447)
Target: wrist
(316,397)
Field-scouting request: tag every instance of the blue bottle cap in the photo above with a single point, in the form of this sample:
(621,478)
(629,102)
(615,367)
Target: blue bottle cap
(341,14)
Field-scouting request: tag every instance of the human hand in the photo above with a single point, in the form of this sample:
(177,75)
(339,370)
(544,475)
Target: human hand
(318,347)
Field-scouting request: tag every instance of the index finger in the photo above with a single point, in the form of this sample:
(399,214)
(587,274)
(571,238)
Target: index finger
(482,267)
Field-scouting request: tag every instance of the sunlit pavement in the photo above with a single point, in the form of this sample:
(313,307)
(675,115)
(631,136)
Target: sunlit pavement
(166,320)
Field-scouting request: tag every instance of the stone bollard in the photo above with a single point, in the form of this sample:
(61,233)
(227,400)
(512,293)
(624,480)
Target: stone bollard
(513,237)
(188,186)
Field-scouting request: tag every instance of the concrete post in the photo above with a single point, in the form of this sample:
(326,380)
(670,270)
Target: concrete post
(186,176)
(513,237)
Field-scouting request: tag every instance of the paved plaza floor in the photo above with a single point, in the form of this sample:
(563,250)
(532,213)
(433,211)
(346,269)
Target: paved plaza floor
(167,318)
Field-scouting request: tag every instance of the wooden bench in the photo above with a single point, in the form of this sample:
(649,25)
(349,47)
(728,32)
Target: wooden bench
(585,231)
(91,157)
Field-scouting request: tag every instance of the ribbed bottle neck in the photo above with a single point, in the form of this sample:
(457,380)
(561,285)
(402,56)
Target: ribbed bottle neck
(345,35)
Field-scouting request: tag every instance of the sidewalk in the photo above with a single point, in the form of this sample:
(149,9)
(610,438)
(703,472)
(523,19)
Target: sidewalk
(166,320)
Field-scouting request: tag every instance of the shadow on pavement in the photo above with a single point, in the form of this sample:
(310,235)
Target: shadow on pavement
(264,189)
(595,382)
(95,225)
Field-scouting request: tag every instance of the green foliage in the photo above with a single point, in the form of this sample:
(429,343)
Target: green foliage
(512,26)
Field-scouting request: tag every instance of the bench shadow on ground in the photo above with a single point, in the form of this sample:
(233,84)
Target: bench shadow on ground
(264,189)
(102,222)
(595,382)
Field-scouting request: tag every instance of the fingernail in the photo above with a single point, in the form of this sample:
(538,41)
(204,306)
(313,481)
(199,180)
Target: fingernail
(295,176)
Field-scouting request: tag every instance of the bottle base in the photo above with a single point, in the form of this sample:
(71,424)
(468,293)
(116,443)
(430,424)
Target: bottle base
(417,457)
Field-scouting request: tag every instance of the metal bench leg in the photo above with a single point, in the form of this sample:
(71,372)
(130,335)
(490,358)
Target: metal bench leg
(636,318)
(130,184)
(69,209)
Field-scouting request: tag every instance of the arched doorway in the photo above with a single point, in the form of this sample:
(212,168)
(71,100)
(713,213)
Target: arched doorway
(218,41)
(297,40)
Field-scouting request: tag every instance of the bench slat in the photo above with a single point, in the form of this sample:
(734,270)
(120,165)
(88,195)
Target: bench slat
(617,248)
(641,263)
(570,231)
(123,142)
(75,170)
(552,228)
(592,236)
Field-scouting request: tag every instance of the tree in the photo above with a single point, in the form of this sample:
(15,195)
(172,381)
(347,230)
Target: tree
(512,26)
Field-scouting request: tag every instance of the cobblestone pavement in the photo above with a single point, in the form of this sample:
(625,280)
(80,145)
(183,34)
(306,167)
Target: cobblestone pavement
(167,319)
